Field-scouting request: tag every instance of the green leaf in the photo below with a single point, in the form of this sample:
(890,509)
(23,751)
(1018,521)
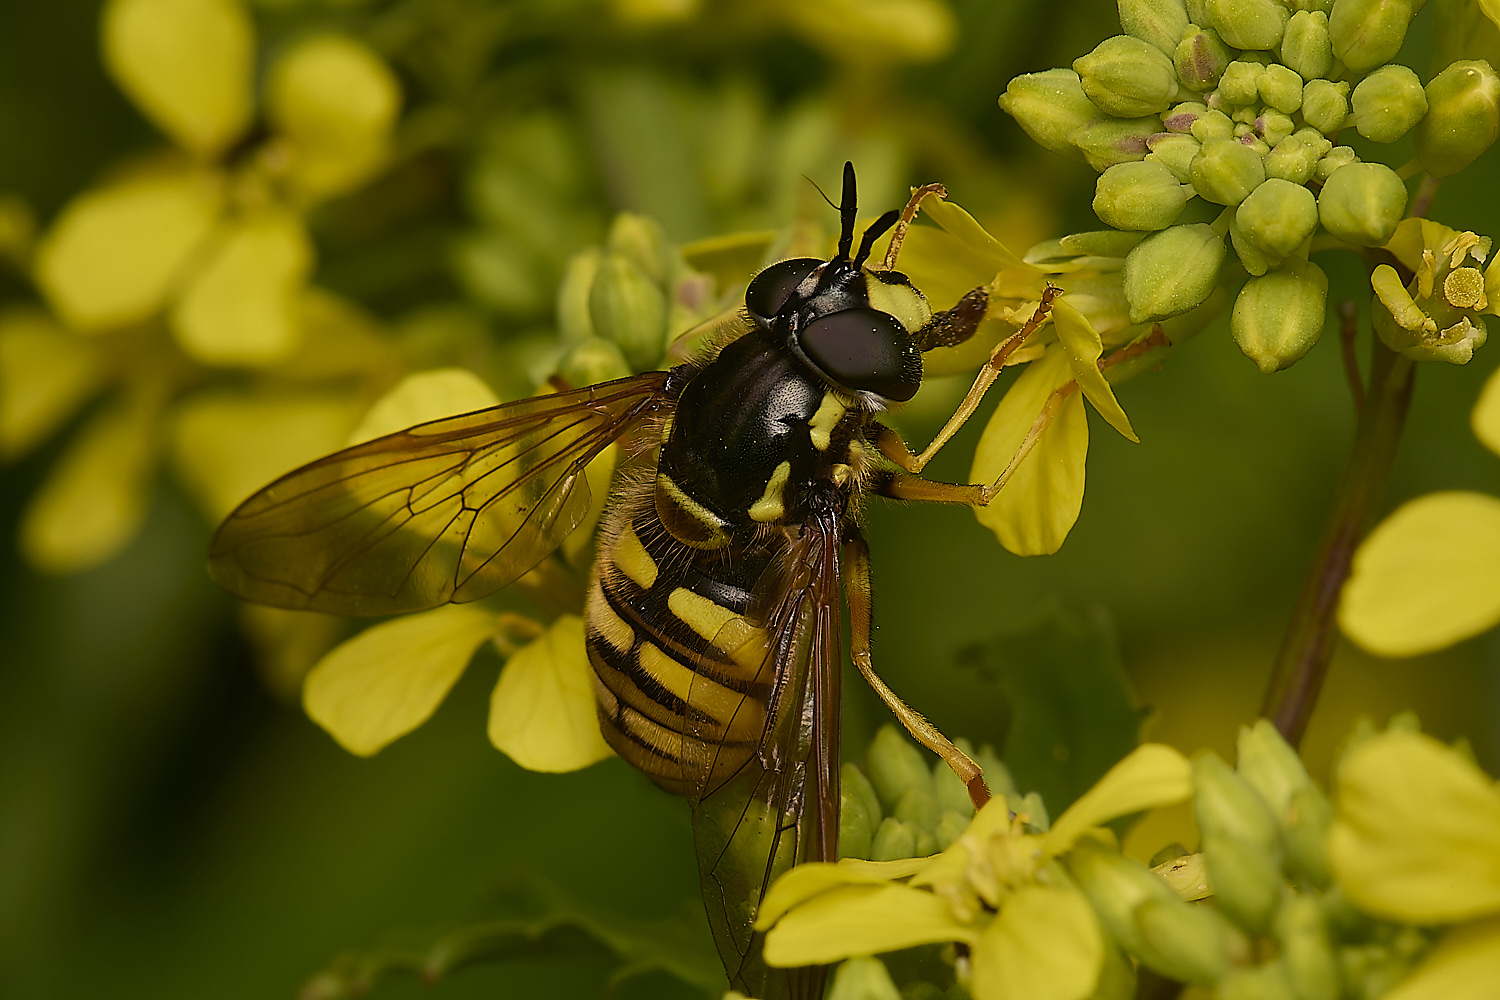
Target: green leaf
(1073,712)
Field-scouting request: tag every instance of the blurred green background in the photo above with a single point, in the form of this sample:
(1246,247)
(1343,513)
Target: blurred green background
(171,824)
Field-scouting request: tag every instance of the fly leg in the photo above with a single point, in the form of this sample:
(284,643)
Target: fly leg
(857,592)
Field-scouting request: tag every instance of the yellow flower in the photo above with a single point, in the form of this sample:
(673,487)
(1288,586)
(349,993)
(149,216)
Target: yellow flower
(999,890)
(1429,575)
(1416,839)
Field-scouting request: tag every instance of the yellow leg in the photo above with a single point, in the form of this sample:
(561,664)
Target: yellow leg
(890,443)
(904,223)
(857,592)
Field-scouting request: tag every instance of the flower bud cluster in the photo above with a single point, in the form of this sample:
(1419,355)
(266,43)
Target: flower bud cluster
(900,806)
(1255,913)
(1240,103)
(617,305)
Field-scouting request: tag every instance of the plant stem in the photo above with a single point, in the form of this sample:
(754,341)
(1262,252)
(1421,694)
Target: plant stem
(1303,660)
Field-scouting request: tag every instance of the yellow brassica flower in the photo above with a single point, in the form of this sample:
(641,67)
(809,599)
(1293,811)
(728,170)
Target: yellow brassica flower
(999,890)
(1416,839)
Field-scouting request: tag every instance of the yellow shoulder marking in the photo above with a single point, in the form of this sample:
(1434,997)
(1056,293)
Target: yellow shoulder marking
(771,506)
(821,426)
(631,556)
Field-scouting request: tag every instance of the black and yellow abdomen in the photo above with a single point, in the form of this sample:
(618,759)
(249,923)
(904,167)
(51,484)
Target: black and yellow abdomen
(681,674)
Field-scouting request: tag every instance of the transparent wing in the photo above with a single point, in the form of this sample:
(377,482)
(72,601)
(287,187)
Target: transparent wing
(450,510)
(762,807)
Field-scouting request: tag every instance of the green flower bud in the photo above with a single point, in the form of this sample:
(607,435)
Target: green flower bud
(1160,22)
(1116,887)
(1368,33)
(1049,107)
(1280,315)
(893,841)
(1225,171)
(1362,203)
(1200,58)
(950,826)
(1172,271)
(1138,196)
(1095,243)
(894,765)
(1387,103)
(856,828)
(1311,964)
(640,240)
(1260,982)
(1247,117)
(1247,24)
(629,308)
(1107,141)
(1281,89)
(1305,832)
(1305,46)
(1175,152)
(1292,160)
(1180,117)
(948,791)
(918,806)
(1252,257)
(1325,105)
(863,979)
(1213,124)
(1240,83)
(1464,117)
(1127,78)
(1188,943)
(1227,807)
(1278,216)
(1334,160)
(1270,766)
(573,323)
(1274,127)
(592,361)
(1246,880)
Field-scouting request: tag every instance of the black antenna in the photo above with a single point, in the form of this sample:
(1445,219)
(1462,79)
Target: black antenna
(847,208)
(877,229)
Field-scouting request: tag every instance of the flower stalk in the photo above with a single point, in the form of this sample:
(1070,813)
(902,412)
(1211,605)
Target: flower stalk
(1302,663)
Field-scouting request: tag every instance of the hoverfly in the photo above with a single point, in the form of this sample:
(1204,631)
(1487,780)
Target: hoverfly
(730,541)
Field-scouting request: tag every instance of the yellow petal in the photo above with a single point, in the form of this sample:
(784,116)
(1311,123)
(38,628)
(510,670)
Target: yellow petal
(228,443)
(1486,417)
(1464,965)
(96,496)
(1413,236)
(1084,347)
(45,375)
(242,307)
(115,253)
(185,63)
(335,101)
(1427,577)
(1151,775)
(817,877)
(542,713)
(984,249)
(1044,945)
(389,679)
(1037,508)
(1416,833)
(416,399)
(862,920)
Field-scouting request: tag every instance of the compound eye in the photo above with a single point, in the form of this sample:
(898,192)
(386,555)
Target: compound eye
(770,289)
(865,350)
